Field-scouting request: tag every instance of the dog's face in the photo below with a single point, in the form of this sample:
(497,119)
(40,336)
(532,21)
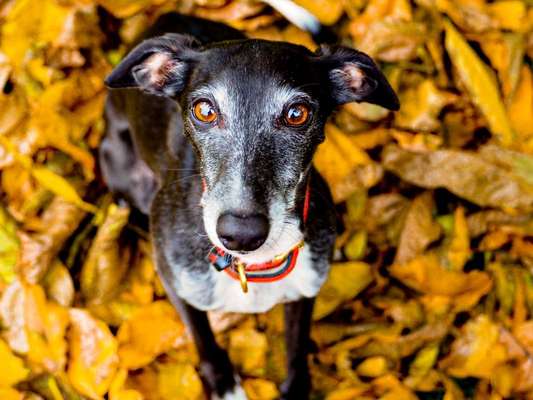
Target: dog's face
(255,113)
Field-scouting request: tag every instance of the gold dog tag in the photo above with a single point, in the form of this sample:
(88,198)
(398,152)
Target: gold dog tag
(242,276)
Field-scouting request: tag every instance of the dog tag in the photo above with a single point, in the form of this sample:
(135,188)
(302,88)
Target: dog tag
(242,276)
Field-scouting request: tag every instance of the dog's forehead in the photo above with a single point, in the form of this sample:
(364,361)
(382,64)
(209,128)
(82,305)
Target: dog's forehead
(258,62)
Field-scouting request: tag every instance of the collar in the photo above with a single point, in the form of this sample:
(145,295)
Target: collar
(270,271)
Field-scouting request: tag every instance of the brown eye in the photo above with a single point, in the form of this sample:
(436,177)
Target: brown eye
(204,111)
(297,115)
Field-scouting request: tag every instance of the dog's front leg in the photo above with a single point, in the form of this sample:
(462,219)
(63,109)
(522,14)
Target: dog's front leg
(215,366)
(297,326)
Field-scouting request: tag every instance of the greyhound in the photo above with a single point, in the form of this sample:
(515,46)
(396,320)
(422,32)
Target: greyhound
(212,136)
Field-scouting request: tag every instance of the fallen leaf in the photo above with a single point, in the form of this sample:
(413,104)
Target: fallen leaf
(34,326)
(425,274)
(104,267)
(93,355)
(61,187)
(247,350)
(373,367)
(9,247)
(345,281)
(522,100)
(179,381)
(59,285)
(13,367)
(392,39)
(480,83)
(477,351)
(327,11)
(464,173)
(39,249)
(421,107)
(419,229)
(458,248)
(343,165)
(510,14)
(151,330)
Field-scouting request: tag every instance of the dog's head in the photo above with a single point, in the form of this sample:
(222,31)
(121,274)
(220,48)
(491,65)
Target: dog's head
(254,111)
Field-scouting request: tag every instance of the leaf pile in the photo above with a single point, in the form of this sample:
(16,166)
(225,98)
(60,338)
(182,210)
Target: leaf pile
(431,291)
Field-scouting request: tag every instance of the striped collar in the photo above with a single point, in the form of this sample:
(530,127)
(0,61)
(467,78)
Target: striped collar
(270,271)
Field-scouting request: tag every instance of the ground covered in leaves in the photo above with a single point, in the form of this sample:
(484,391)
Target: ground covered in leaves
(431,292)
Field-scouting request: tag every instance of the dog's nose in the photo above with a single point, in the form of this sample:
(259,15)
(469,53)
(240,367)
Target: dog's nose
(242,232)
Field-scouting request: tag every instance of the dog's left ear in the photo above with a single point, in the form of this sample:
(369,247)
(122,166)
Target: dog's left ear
(158,65)
(353,76)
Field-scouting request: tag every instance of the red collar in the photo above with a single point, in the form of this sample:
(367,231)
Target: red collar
(269,271)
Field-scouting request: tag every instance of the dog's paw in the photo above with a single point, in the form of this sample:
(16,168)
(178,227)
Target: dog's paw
(237,393)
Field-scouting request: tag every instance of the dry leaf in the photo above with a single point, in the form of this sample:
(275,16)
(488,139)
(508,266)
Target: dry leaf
(480,83)
(93,355)
(345,281)
(104,267)
(464,173)
(13,367)
(150,331)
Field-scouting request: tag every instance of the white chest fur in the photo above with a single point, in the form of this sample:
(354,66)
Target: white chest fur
(227,295)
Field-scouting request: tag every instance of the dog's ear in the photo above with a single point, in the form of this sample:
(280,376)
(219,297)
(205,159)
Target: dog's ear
(352,76)
(158,65)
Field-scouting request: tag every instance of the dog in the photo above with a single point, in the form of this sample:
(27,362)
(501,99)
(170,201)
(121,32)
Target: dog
(212,136)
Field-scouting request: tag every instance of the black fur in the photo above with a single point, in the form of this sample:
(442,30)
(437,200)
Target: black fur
(155,154)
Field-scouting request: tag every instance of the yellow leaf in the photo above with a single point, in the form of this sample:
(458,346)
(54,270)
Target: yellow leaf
(117,390)
(260,389)
(60,186)
(247,349)
(13,369)
(10,394)
(477,351)
(480,83)
(59,285)
(346,393)
(126,8)
(421,107)
(105,265)
(343,165)
(373,367)
(93,355)
(458,251)
(425,274)
(424,360)
(152,330)
(327,11)
(345,281)
(521,106)
(356,246)
(34,326)
(509,13)
(179,381)
(9,247)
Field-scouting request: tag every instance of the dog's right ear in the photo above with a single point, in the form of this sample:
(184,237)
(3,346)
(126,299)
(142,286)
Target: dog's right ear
(158,65)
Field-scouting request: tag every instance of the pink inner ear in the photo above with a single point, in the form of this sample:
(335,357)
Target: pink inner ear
(159,66)
(353,75)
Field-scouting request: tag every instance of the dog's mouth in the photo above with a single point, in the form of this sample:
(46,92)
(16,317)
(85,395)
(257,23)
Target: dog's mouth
(279,243)
(258,242)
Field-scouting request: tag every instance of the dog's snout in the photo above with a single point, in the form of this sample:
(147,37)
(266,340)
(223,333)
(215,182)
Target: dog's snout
(242,232)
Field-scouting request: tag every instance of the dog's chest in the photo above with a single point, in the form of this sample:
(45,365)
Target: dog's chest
(225,294)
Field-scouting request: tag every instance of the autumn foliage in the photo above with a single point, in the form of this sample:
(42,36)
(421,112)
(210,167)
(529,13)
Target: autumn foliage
(430,295)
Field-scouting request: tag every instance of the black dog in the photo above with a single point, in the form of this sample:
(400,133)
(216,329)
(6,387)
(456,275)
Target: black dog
(212,135)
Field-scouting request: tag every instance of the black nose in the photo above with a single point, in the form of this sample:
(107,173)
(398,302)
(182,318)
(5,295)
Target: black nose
(242,232)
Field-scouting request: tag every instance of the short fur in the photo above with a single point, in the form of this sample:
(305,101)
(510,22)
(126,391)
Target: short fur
(156,155)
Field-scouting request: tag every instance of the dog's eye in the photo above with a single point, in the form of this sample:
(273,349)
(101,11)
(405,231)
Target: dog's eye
(297,115)
(204,111)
